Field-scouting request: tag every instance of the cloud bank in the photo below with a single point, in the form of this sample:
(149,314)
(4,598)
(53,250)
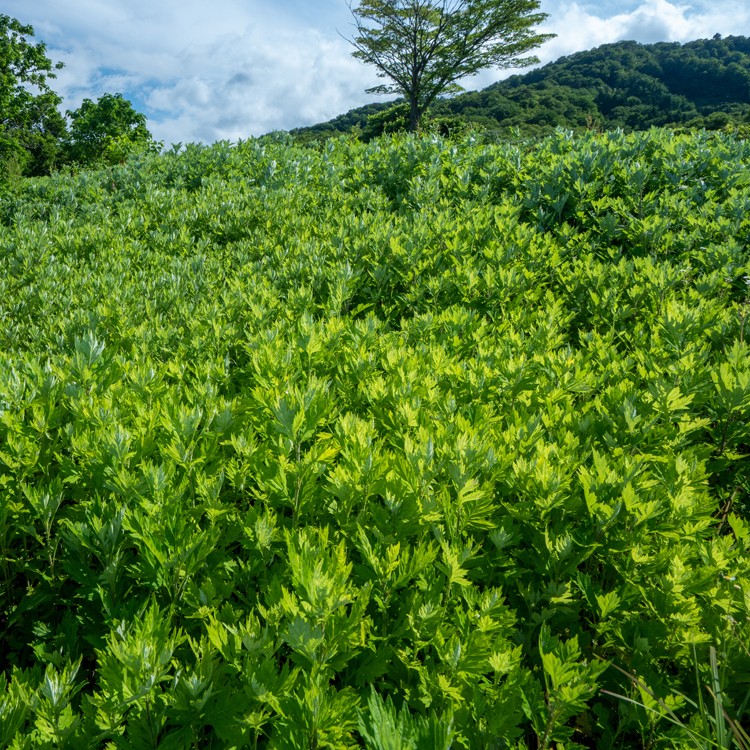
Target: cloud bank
(247,67)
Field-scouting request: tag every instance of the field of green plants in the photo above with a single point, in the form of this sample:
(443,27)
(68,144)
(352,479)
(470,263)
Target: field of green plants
(410,445)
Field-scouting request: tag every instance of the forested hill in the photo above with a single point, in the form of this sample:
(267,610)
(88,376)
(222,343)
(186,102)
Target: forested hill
(705,83)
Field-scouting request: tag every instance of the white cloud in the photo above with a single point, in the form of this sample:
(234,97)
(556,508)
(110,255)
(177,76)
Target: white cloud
(652,21)
(584,26)
(236,71)
(255,84)
(244,67)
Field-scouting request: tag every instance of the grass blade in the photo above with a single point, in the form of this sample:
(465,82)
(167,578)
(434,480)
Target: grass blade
(740,735)
(721,728)
(702,707)
(695,738)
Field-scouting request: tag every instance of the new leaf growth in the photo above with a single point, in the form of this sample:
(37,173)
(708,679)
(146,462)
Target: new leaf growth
(424,47)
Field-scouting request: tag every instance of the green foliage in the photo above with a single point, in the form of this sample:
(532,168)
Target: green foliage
(568,685)
(34,139)
(392,120)
(30,125)
(396,119)
(424,47)
(384,728)
(413,443)
(107,132)
(703,730)
(702,84)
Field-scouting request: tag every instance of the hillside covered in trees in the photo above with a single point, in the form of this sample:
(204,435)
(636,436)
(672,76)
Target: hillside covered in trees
(705,83)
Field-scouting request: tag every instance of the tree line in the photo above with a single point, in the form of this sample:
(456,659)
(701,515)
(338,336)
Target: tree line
(626,85)
(35,138)
(424,47)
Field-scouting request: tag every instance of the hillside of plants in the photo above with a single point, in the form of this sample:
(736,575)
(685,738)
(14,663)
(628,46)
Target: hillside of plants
(420,444)
(627,85)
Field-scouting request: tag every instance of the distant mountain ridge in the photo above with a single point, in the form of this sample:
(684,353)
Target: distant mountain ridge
(704,83)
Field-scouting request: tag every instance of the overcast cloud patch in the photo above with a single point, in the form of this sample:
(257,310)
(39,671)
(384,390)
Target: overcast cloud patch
(240,79)
(247,67)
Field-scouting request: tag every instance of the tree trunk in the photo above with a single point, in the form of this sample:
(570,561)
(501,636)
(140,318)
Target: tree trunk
(414,116)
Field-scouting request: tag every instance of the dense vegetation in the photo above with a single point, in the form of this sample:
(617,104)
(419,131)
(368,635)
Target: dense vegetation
(627,85)
(408,444)
(34,135)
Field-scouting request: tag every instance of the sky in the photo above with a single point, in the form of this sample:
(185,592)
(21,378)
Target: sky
(231,69)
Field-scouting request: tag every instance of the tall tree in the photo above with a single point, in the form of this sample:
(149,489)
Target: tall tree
(30,124)
(107,131)
(425,46)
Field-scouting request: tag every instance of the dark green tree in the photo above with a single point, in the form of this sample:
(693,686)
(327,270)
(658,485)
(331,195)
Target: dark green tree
(426,46)
(30,124)
(107,131)
(389,120)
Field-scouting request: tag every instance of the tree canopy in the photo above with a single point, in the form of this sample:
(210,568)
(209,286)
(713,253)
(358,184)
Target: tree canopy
(34,137)
(627,85)
(30,123)
(424,47)
(107,130)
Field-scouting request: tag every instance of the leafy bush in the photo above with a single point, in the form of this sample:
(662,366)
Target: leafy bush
(396,120)
(107,132)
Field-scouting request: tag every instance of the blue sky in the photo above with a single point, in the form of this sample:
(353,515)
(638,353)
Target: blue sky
(230,69)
